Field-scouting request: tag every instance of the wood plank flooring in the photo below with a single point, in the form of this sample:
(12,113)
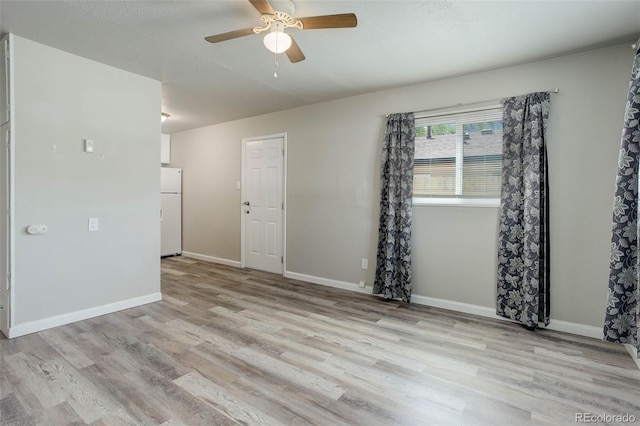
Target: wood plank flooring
(228,346)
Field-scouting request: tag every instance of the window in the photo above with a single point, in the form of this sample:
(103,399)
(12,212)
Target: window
(458,156)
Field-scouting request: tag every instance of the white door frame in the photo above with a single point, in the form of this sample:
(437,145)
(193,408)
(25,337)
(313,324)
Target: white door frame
(284,197)
(7,221)
(10,185)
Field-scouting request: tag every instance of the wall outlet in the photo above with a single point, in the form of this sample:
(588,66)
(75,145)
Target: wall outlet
(365,263)
(362,284)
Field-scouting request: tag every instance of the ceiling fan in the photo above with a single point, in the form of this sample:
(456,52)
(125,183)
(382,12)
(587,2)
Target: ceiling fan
(277,40)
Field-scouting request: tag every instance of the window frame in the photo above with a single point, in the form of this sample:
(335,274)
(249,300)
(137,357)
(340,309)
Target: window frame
(491,112)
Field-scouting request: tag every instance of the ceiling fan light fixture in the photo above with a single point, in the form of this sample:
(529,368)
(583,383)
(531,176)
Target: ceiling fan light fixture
(277,40)
(277,18)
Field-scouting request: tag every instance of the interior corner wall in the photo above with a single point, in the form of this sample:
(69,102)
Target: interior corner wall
(61,99)
(333,184)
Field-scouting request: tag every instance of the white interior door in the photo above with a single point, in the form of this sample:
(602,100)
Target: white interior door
(5,187)
(5,85)
(5,229)
(263,207)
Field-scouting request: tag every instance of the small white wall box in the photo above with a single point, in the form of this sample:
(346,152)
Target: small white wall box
(94,224)
(89,145)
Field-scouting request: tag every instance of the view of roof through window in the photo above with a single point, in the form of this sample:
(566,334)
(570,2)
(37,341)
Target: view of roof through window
(479,139)
(459,160)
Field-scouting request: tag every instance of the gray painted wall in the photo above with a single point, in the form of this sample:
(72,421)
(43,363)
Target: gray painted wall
(333,184)
(59,100)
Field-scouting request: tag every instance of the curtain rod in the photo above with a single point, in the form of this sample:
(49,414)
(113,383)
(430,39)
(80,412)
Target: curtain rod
(556,90)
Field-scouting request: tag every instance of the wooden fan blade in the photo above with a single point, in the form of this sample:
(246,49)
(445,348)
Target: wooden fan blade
(230,35)
(294,53)
(262,6)
(344,20)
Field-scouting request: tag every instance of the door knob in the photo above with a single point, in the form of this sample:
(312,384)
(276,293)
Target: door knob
(246,203)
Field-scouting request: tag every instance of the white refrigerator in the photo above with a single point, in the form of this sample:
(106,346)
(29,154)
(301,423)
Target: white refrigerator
(171,211)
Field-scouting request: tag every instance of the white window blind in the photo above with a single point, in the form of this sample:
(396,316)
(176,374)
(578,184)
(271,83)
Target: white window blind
(459,155)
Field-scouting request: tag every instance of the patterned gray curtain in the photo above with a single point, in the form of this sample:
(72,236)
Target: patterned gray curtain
(621,319)
(523,242)
(393,262)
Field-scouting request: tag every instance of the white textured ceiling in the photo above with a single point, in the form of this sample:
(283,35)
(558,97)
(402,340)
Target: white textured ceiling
(395,43)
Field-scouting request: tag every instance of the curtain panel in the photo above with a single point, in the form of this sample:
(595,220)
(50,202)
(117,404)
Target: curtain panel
(622,312)
(523,241)
(393,260)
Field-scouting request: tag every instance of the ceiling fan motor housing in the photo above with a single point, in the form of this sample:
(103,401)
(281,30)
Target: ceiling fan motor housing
(284,6)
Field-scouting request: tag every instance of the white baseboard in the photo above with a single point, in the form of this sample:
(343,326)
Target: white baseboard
(575,328)
(327,282)
(483,311)
(634,354)
(451,305)
(58,320)
(212,259)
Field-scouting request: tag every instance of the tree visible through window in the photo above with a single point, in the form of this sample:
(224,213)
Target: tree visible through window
(459,155)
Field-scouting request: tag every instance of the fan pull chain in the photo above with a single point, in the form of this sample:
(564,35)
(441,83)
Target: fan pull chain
(275,60)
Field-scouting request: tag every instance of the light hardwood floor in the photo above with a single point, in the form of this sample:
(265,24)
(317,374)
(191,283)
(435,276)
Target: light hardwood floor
(232,346)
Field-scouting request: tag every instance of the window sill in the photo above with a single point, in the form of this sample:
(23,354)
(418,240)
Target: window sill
(457,202)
